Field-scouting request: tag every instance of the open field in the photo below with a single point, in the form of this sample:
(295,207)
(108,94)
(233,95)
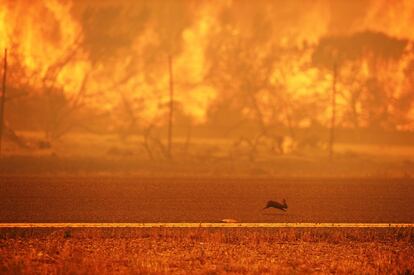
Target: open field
(207,250)
(202,199)
(204,250)
(381,155)
(222,224)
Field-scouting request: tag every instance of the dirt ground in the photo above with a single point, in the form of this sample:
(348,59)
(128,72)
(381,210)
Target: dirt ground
(203,199)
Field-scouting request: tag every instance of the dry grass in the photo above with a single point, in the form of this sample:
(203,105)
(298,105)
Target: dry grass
(208,251)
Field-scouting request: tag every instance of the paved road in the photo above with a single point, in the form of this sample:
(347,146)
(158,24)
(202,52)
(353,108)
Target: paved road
(128,199)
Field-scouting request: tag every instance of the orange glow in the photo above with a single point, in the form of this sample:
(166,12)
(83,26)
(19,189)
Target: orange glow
(44,34)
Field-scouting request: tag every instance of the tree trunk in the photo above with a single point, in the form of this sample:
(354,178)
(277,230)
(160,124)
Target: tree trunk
(171,106)
(3,97)
(333,118)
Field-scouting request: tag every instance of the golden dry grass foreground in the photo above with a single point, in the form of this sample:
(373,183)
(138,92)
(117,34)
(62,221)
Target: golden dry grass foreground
(206,250)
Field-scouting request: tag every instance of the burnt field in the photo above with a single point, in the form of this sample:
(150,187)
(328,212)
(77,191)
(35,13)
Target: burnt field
(206,251)
(138,199)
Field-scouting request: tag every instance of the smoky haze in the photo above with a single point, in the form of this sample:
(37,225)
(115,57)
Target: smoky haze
(275,86)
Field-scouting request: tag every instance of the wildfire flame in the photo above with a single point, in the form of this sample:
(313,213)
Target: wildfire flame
(48,40)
